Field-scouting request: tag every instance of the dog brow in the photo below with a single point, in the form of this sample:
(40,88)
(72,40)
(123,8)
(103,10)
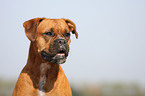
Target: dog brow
(52,29)
(66,30)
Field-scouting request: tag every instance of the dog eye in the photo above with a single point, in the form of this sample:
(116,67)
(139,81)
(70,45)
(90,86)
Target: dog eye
(67,34)
(48,33)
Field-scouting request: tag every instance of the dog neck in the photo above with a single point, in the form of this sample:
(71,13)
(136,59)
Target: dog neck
(41,73)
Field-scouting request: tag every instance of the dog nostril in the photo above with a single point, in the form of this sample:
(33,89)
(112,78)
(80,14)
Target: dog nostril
(59,41)
(64,42)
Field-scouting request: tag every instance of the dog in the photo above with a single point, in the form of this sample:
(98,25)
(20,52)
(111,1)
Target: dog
(49,47)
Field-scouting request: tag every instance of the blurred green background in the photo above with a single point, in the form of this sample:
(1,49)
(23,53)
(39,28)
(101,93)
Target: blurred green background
(86,89)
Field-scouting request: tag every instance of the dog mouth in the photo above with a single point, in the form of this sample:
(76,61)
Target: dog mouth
(58,58)
(59,55)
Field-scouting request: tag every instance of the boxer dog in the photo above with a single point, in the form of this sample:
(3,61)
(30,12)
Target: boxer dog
(49,47)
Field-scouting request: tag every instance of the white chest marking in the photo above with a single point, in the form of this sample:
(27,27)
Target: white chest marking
(43,69)
(41,93)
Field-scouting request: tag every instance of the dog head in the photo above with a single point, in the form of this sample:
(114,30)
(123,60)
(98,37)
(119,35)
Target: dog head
(51,36)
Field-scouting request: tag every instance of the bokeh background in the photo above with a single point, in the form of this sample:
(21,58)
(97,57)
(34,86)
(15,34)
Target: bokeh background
(108,59)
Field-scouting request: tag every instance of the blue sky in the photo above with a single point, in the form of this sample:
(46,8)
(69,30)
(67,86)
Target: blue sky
(111,44)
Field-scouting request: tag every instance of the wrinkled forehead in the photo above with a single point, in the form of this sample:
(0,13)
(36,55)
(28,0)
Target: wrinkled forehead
(57,25)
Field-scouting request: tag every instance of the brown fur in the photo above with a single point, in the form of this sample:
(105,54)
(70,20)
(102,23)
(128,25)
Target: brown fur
(56,81)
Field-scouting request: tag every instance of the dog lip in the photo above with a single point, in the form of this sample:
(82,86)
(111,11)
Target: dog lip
(43,53)
(59,56)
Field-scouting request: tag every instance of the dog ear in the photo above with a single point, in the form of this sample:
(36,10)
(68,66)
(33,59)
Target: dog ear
(31,28)
(71,26)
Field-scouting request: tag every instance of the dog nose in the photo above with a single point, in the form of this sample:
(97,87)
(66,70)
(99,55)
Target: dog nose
(61,41)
